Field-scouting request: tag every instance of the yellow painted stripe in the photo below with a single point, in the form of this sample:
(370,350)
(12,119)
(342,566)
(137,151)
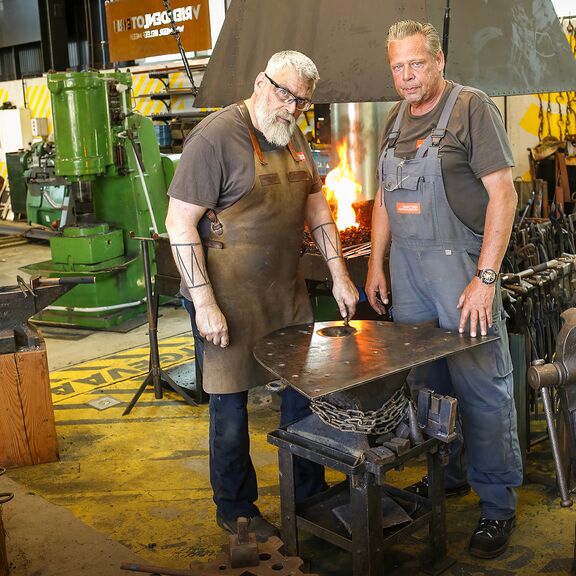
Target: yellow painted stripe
(137,83)
(3,169)
(3,95)
(44,109)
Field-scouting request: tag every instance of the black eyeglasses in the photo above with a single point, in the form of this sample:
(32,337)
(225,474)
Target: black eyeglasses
(287,97)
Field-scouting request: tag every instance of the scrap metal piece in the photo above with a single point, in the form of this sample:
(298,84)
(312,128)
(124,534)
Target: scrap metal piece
(416,436)
(243,546)
(437,415)
(380,455)
(393,514)
(103,403)
(272,563)
(398,445)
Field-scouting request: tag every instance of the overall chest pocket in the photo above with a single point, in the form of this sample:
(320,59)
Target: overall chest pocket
(410,204)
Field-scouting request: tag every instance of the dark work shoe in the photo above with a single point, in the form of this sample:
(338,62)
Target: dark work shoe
(421,488)
(257,524)
(491,537)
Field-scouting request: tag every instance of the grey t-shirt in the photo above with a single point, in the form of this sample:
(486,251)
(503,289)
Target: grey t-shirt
(475,145)
(217,164)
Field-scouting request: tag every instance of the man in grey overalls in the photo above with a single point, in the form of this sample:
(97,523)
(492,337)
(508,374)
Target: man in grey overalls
(244,189)
(446,207)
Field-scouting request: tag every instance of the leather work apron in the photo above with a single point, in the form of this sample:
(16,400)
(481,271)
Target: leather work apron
(255,276)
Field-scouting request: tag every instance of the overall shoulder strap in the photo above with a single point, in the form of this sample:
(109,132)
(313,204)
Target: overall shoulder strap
(434,138)
(394,134)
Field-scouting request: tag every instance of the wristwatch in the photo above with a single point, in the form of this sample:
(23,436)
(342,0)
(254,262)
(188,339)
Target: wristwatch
(487,276)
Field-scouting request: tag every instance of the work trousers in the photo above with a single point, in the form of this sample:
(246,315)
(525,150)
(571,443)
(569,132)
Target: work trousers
(426,286)
(232,473)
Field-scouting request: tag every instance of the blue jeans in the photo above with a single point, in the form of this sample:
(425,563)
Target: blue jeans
(232,473)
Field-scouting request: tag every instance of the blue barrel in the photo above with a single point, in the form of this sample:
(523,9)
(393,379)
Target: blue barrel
(163,135)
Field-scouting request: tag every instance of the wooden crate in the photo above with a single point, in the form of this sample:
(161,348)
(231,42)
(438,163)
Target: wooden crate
(27,429)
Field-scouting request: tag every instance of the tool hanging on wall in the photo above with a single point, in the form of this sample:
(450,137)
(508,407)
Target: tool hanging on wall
(560,122)
(176,34)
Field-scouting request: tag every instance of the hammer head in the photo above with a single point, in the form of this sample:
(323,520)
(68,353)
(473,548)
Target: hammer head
(243,546)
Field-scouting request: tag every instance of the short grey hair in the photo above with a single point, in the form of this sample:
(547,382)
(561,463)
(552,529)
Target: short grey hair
(406,28)
(296,61)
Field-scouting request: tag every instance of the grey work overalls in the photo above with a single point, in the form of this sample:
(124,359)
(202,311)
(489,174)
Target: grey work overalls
(433,258)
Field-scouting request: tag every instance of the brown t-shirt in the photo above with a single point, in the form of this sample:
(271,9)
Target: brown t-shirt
(217,164)
(475,145)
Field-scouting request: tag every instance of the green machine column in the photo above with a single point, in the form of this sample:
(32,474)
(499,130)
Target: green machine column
(81,123)
(98,140)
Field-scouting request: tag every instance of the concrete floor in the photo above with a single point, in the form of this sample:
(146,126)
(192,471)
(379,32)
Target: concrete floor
(136,487)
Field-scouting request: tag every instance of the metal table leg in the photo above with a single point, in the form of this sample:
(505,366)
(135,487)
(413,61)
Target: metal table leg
(288,529)
(438,559)
(367,540)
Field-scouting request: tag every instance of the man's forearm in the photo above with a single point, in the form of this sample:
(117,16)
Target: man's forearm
(327,239)
(498,228)
(500,214)
(380,235)
(190,261)
(181,223)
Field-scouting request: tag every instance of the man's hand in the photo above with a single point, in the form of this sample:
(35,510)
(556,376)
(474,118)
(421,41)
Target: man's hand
(212,325)
(376,288)
(475,304)
(346,296)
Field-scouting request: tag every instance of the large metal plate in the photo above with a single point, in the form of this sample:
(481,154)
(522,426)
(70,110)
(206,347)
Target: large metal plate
(317,365)
(499,46)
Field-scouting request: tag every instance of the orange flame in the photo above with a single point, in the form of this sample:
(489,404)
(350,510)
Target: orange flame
(342,189)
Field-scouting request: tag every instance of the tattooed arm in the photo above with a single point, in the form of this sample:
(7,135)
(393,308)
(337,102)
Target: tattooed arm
(327,238)
(181,223)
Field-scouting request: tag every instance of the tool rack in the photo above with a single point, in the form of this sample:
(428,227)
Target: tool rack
(363,489)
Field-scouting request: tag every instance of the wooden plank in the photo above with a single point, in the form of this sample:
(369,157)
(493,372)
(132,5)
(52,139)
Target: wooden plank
(14,450)
(34,381)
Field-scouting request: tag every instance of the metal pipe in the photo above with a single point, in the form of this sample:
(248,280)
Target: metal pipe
(144,186)
(361,125)
(97,308)
(565,501)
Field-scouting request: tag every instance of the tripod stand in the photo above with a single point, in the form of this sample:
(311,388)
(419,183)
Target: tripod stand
(156,375)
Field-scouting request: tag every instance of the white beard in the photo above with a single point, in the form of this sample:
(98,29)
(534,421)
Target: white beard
(274,130)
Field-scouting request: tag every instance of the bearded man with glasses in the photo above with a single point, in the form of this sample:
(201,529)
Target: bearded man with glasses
(244,189)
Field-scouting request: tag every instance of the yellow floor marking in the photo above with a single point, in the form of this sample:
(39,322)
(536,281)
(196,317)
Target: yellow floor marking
(122,366)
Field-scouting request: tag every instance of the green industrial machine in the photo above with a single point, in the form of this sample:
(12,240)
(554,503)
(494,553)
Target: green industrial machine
(108,161)
(47,193)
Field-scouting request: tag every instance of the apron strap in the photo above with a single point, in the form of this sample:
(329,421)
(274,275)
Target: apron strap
(432,142)
(296,155)
(246,117)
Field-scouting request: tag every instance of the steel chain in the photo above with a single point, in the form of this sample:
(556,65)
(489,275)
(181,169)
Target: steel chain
(380,421)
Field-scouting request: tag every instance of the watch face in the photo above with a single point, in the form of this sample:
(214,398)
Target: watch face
(488,276)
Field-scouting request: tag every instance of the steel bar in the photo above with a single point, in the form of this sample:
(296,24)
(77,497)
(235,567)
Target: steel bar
(565,501)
